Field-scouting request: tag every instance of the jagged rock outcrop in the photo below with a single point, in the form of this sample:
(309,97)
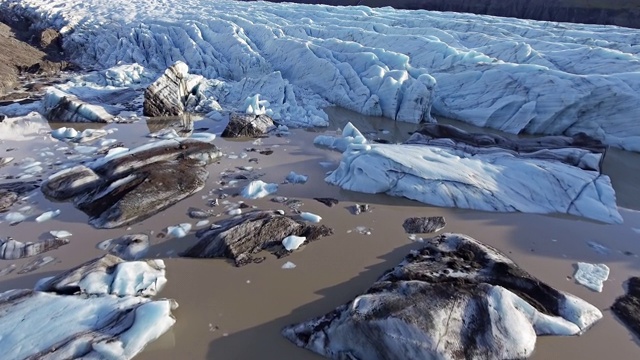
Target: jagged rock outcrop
(627,307)
(100,309)
(132,186)
(11,249)
(247,125)
(423,225)
(242,237)
(173,93)
(454,299)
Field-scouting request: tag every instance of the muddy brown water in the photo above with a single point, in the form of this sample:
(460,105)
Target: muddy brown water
(237,313)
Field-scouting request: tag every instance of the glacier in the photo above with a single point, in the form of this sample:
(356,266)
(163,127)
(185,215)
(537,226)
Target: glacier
(518,76)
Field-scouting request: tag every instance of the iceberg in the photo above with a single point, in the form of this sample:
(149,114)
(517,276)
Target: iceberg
(258,189)
(489,179)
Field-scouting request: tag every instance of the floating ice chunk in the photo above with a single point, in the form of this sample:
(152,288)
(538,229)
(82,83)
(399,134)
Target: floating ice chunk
(14,218)
(203,136)
(64,133)
(107,142)
(288,265)
(294,178)
(293,242)
(326,164)
(164,134)
(86,150)
(258,189)
(599,248)
(363,230)
(179,231)
(48,215)
(202,223)
(591,275)
(60,234)
(637,230)
(253,105)
(234,212)
(350,135)
(310,217)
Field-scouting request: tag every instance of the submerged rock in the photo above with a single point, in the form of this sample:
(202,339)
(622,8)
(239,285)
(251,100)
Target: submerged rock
(11,249)
(454,299)
(59,320)
(11,193)
(242,237)
(627,307)
(423,225)
(172,93)
(247,125)
(131,186)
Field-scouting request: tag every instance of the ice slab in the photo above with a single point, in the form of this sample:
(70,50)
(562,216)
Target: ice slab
(258,189)
(591,275)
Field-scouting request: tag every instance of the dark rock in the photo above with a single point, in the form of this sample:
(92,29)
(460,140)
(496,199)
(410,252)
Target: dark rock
(172,93)
(247,125)
(545,148)
(330,202)
(51,40)
(133,186)
(627,307)
(423,225)
(12,192)
(2,117)
(454,299)
(241,238)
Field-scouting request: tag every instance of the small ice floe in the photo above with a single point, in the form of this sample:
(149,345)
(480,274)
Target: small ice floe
(232,156)
(179,231)
(293,242)
(310,217)
(204,136)
(326,164)
(164,134)
(294,178)
(64,133)
(591,275)
(86,150)
(258,189)
(363,230)
(288,265)
(106,142)
(60,234)
(599,248)
(48,215)
(14,218)
(234,212)
(202,223)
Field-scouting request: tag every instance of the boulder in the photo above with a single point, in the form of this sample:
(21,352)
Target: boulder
(454,299)
(627,307)
(423,225)
(242,237)
(248,125)
(129,187)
